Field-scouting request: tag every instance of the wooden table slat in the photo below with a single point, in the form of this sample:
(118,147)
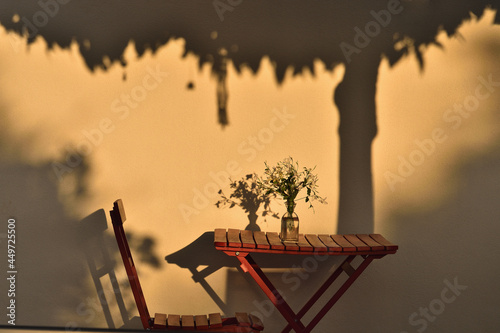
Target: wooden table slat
(233,238)
(220,237)
(291,246)
(381,240)
(316,243)
(328,241)
(371,243)
(247,239)
(187,322)
(215,320)
(354,240)
(261,240)
(256,322)
(201,322)
(275,241)
(160,320)
(346,246)
(174,321)
(304,244)
(242,318)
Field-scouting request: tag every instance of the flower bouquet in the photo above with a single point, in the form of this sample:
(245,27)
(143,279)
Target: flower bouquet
(288,180)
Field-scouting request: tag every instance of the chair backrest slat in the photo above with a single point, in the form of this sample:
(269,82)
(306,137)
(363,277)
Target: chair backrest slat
(117,218)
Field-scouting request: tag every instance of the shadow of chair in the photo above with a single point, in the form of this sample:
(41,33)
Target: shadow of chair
(101,266)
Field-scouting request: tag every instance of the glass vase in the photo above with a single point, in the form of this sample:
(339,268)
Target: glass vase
(290,224)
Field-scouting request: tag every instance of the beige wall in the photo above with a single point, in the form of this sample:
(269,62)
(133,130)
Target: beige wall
(159,152)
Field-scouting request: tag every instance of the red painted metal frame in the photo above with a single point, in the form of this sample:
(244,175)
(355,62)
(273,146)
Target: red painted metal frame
(294,319)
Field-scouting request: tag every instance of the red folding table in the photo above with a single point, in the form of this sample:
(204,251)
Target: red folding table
(241,243)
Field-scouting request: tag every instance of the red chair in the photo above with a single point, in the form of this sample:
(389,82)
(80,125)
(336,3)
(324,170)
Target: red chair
(242,322)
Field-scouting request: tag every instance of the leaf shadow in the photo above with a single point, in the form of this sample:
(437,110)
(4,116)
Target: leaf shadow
(246,194)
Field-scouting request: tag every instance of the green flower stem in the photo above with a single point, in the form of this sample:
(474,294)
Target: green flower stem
(290,206)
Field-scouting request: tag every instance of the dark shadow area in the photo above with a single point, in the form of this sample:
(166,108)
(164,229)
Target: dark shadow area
(292,34)
(248,196)
(455,240)
(51,272)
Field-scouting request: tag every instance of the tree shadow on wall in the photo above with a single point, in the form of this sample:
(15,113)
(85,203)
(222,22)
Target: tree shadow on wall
(293,35)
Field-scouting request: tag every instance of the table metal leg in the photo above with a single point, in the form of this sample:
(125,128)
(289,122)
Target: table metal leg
(352,277)
(321,291)
(248,265)
(294,320)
